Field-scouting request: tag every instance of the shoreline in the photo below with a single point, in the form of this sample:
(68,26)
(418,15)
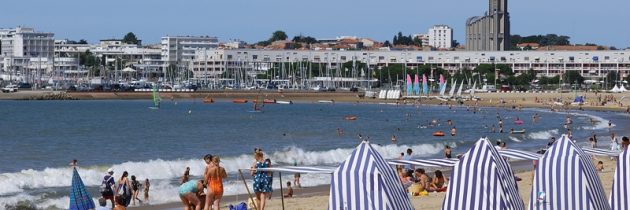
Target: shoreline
(523,100)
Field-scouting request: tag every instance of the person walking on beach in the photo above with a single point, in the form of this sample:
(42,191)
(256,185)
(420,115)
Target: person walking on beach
(123,190)
(147,186)
(107,191)
(296,177)
(262,187)
(135,187)
(189,194)
(408,167)
(215,183)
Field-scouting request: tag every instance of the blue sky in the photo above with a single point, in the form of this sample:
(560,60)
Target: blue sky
(602,22)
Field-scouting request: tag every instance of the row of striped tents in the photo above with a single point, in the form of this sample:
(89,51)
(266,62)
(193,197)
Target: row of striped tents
(482,179)
(565,178)
(366,181)
(621,183)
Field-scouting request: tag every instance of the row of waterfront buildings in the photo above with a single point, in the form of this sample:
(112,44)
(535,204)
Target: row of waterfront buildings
(31,56)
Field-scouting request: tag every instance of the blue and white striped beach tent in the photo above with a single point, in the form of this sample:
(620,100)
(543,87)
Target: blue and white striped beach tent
(482,180)
(621,183)
(365,181)
(565,178)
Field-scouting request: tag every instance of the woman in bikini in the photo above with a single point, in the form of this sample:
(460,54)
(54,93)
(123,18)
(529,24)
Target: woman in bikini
(215,183)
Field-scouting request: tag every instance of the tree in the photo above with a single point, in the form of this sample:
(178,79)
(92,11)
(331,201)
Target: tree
(417,41)
(611,78)
(82,41)
(304,39)
(572,77)
(455,43)
(130,38)
(278,35)
(387,44)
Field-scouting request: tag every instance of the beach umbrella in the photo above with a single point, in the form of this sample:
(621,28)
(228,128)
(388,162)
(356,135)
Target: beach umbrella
(620,189)
(482,179)
(80,199)
(366,181)
(565,178)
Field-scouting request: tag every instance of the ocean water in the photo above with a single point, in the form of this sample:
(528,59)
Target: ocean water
(40,138)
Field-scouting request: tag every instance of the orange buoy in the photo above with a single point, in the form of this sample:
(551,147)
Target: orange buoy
(438,133)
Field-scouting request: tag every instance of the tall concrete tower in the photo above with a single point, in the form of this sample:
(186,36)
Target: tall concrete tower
(490,32)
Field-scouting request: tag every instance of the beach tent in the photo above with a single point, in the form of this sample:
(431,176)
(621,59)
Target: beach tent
(565,178)
(482,180)
(80,199)
(616,89)
(621,180)
(600,152)
(366,181)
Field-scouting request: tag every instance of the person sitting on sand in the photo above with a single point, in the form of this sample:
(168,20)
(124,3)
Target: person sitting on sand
(407,179)
(189,194)
(422,178)
(289,193)
(438,183)
(600,166)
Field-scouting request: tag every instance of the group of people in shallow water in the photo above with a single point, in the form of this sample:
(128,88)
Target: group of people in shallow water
(207,193)
(123,192)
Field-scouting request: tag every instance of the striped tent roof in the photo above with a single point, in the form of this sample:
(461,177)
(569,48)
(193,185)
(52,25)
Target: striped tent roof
(621,181)
(482,180)
(565,178)
(600,152)
(300,169)
(365,181)
(435,163)
(519,155)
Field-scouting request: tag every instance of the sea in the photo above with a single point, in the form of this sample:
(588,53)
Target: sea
(39,139)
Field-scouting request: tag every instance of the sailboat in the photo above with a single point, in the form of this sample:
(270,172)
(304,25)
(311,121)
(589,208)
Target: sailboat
(258,104)
(459,91)
(453,87)
(156,98)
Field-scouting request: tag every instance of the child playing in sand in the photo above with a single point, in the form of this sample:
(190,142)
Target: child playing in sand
(289,191)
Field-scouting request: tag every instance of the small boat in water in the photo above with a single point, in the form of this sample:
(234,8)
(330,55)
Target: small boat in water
(522,131)
(326,101)
(284,102)
(438,133)
(350,117)
(239,101)
(208,100)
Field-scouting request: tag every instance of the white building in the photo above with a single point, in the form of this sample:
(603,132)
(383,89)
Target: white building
(25,42)
(179,49)
(441,37)
(424,38)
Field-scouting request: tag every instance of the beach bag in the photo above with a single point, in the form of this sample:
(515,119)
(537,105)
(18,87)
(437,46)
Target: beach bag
(240,206)
(106,188)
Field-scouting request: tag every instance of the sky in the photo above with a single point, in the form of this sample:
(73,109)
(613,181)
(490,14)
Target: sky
(603,22)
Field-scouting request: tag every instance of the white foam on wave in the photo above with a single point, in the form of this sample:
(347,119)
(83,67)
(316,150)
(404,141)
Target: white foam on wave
(541,135)
(515,139)
(599,122)
(15,186)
